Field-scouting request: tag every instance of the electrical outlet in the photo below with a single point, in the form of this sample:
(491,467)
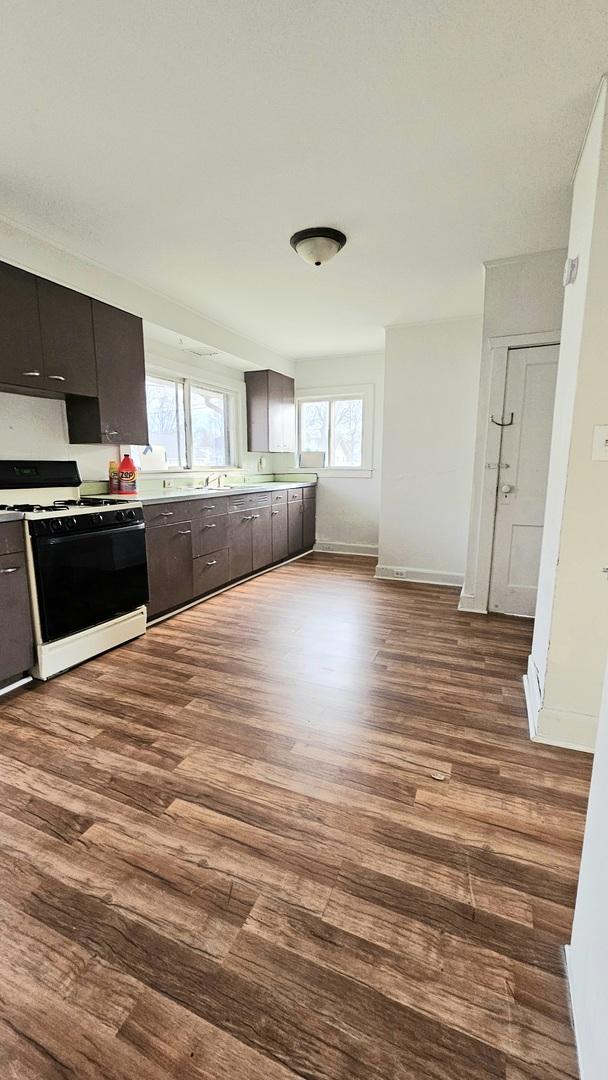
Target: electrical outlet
(399,573)
(323,547)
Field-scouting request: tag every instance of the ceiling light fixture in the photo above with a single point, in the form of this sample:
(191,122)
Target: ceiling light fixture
(317,246)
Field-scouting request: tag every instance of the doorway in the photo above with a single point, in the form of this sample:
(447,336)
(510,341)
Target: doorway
(521,477)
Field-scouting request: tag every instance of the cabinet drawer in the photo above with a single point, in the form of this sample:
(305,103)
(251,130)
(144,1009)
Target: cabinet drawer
(168,513)
(210,571)
(209,534)
(206,508)
(294,495)
(309,492)
(12,537)
(278,497)
(258,498)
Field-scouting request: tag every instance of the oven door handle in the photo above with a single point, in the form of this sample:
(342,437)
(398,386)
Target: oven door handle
(117,530)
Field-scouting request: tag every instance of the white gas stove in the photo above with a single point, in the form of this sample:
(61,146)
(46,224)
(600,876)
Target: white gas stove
(86,563)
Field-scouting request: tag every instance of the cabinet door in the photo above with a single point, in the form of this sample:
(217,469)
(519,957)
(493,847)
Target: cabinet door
(16,654)
(121,377)
(170,572)
(20,341)
(261,537)
(288,411)
(66,325)
(309,507)
(239,544)
(280,546)
(294,526)
(276,437)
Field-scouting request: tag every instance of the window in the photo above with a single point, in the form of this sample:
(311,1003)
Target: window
(333,426)
(191,422)
(166,425)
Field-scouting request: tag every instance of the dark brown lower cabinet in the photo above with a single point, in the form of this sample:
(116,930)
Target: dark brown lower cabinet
(170,569)
(211,571)
(239,544)
(294,526)
(309,518)
(209,534)
(278,518)
(261,537)
(16,650)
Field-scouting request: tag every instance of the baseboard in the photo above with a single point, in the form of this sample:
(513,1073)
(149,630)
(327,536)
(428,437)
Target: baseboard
(533,697)
(413,573)
(338,547)
(571,1009)
(554,727)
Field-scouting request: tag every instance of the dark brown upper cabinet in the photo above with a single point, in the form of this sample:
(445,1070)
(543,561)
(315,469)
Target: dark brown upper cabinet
(68,348)
(20,340)
(271,412)
(118,413)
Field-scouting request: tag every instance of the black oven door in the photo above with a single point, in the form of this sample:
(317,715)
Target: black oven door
(89,578)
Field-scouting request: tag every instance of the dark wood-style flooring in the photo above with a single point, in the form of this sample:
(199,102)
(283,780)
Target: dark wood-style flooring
(298,830)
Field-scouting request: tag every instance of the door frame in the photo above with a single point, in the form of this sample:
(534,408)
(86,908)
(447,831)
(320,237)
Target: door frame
(476,590)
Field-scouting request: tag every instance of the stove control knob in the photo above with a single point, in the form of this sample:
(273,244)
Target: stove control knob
(130,514)
(56,524)
(97,519)
(120,515)
(70,522)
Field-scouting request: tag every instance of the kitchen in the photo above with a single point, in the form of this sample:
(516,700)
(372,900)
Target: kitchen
(93,569)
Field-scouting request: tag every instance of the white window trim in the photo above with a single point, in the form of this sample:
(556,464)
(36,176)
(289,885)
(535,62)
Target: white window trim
(364,391)
(234,392)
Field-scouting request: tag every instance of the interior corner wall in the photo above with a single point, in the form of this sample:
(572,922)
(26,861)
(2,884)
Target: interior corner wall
(348,508)
(522,296)
(571,627)
(430,395)
(588,951)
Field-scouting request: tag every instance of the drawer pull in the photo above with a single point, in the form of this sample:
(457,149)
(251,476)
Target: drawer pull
(166,513)
(208,507)
(59,378)
(254,517)
(184,532)
(213,562)
(248,518)
(31,374)
(214,526)
(274,513)
(109,432)
(10,570)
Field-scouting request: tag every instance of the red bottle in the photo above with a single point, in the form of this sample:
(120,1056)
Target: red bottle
(128,476)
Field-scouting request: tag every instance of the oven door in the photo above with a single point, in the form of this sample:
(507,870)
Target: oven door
(89,578)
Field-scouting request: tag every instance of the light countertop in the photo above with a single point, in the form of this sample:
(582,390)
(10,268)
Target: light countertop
(186,494)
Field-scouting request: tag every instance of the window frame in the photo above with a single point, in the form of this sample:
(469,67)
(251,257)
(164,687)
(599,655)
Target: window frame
(331,394)
(231,419)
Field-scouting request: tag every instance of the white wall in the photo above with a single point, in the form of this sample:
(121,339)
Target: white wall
(588,952)
(566,667)
(522,297)
(430,390)
(348,507)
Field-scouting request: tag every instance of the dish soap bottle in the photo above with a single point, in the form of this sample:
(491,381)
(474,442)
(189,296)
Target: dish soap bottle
(128,476)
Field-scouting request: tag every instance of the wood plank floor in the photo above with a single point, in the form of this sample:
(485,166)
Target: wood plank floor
(298,830)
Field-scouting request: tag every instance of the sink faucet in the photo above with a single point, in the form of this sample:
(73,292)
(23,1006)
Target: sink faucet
(209,480)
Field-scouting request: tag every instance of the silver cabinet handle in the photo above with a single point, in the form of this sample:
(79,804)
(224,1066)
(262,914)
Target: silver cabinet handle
(31,374)
(214,526)
(10,570)
(274,513)
(212,563)
(254,517)
(59,378)
(166,513)
(248,518)
(109,431)
(184,532)
(208,507)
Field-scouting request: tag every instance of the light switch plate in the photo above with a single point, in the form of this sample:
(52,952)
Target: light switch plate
(600,443)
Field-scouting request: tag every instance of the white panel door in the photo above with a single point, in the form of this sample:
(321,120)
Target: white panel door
(522,478)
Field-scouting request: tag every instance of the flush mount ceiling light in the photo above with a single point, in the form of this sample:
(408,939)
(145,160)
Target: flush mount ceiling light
(317,246)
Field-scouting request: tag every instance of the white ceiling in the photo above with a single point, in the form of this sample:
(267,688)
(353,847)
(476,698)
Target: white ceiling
(180,143)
